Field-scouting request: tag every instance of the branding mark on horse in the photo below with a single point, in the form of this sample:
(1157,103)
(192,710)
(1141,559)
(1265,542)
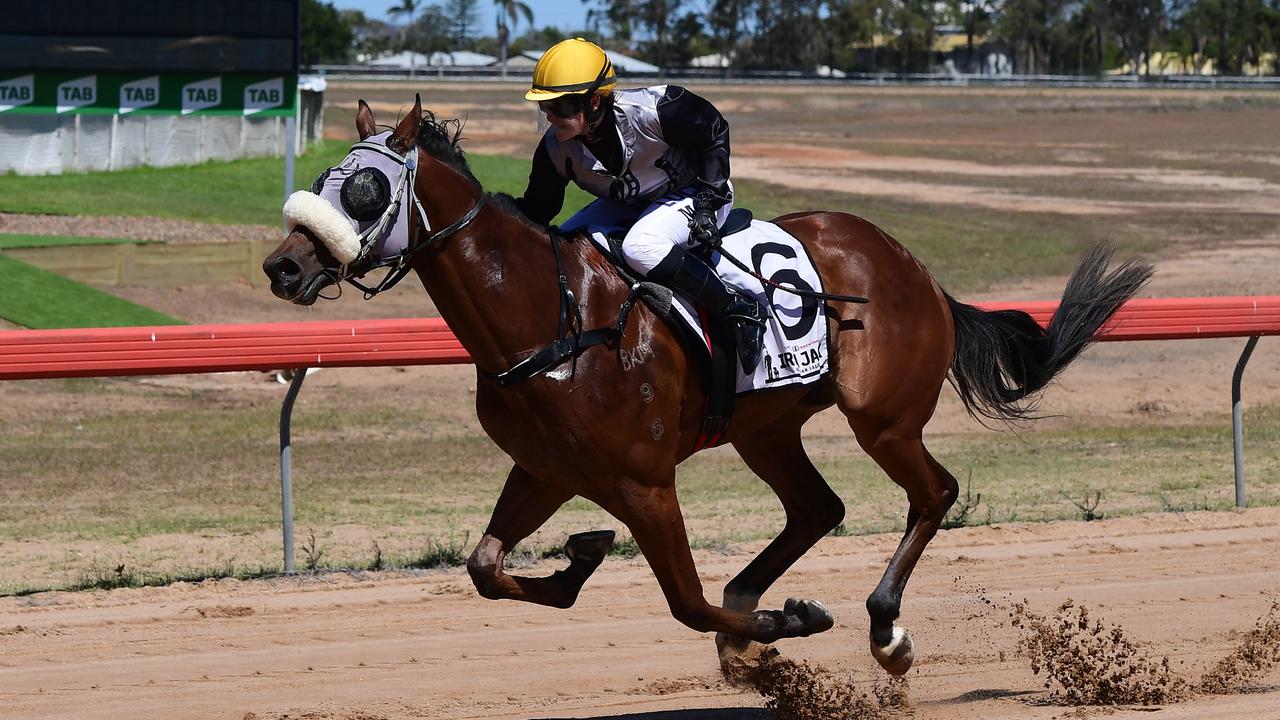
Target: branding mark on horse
(646,392)
(657,429)
(640,355)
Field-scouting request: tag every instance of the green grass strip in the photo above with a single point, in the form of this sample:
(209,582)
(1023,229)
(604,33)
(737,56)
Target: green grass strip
(968,248)
(236,191)
(246,191)
(10,241)
(39,300)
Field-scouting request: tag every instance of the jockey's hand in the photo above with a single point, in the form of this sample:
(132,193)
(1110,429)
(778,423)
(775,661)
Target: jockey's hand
(703,229)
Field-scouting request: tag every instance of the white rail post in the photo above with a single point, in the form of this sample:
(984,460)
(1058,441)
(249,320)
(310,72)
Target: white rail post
(286,466)
(1237,422)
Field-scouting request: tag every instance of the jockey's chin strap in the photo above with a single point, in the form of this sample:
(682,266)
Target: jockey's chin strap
(571,340)
(402,262)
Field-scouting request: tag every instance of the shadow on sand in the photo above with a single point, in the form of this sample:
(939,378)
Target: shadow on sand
(704,714)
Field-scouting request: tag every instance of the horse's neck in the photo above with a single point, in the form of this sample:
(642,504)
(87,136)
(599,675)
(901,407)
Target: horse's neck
(495,283)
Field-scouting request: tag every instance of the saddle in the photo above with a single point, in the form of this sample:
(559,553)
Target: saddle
(714,356)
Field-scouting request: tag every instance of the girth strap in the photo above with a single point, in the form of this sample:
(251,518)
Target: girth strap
(577,341)
(554,355)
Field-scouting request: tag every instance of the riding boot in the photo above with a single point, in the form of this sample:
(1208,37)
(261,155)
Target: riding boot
(685,273)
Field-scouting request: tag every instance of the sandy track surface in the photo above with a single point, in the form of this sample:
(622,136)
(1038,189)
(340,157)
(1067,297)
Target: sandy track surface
(426,646)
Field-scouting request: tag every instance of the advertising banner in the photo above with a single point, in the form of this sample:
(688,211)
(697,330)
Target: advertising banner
(54,93)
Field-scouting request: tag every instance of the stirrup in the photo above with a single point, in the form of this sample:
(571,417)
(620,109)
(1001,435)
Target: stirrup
(750,341)
(748,318)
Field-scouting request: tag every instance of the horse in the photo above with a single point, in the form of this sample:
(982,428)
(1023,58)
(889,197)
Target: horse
(614,432)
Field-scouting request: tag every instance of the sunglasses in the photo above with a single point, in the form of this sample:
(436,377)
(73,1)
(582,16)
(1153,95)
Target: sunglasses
(564,106)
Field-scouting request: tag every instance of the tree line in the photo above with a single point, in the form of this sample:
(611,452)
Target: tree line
(1082,37)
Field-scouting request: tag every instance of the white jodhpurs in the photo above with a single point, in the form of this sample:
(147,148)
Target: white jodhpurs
(651,231)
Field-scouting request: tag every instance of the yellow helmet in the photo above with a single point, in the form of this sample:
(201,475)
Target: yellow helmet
(571,67)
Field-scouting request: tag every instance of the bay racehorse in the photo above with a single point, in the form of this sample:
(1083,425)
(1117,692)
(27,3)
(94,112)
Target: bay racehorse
(497,280)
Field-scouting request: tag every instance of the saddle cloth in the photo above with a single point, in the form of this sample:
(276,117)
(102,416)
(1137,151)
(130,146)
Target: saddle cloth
(795,348)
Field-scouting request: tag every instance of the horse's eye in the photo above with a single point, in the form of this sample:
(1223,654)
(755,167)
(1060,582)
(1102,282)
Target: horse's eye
(318,185)
(366,194)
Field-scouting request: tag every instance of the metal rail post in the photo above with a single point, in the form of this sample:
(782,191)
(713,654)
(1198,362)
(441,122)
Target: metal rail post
(1237,423)
(290,147)
(286,466)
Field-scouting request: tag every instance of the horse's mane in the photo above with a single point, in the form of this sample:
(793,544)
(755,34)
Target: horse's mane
(441,139)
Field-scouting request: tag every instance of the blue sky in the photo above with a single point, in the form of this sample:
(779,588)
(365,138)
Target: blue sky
(564,14)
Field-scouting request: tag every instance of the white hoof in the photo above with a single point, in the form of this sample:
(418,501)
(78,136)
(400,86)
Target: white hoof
(896,657)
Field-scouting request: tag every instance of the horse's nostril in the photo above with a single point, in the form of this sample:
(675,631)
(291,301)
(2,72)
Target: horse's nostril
(284,269)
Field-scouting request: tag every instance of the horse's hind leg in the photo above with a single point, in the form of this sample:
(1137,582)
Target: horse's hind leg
(524,505)
(931,490)
(652,513)
(812,510)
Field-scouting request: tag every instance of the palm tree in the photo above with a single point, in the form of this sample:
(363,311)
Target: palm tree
(512,9)
(406,7)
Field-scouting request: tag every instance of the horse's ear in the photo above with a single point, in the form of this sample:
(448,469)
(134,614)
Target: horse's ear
(407,130)
(364,121)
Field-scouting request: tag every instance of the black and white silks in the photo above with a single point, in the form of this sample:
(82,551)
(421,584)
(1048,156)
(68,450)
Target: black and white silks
(657,140)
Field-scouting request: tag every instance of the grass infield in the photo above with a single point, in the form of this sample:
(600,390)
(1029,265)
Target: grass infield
(243,191)
(416,488)
(9,241)
(37,299)
(967,248)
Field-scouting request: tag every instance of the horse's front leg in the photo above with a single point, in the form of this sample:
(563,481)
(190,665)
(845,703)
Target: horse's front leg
(653,515)
(524,505)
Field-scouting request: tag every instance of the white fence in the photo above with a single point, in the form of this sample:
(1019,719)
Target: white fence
(53,144)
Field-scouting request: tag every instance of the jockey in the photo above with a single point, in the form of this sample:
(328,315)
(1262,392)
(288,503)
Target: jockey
(658,160)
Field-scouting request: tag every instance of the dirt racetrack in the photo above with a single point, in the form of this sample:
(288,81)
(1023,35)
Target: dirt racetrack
(392,645)
(374,646)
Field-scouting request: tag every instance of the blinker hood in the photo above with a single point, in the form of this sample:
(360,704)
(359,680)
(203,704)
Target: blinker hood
(375,184)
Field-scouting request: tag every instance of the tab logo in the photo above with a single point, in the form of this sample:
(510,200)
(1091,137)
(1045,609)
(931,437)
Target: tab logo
(139,94)
(77,93)
(264,95)
(201,95)
(16,92)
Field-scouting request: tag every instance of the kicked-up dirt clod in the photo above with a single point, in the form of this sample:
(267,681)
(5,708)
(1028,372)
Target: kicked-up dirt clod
(1258,652)
(1088,663)
(800,690)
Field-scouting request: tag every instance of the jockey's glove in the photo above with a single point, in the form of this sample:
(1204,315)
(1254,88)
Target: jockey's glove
(711,195)
(703,229)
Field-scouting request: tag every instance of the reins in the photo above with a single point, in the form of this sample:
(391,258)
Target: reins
(402,262)
(718,246)
(571,339)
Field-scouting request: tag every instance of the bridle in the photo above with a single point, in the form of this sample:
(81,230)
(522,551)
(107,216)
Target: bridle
(572,339)
(401,263)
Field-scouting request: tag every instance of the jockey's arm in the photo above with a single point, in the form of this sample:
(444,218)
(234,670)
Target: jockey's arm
(691,122)
(544,196)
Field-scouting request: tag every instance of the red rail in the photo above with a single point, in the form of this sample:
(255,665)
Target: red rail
(170,349)
(29,354)
(1176,318)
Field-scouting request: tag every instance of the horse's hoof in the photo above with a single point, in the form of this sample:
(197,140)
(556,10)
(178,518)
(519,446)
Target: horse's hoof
(896,657)
(589,548)
(812,616)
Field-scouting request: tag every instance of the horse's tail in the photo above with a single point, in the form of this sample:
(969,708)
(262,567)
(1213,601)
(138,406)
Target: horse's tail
(1004,357)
